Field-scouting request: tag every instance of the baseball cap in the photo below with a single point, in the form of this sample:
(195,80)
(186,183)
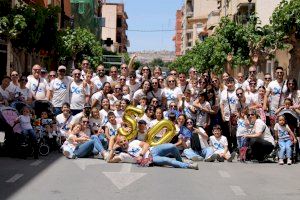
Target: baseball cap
(62,68)
(87,105)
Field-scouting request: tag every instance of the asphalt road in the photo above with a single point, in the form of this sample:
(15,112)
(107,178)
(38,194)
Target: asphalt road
(55,177)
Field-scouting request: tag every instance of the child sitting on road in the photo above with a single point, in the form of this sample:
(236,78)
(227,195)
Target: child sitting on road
(285,137)
(219,144)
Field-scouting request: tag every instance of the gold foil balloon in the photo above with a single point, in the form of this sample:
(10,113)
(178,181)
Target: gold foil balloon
(129,118)
(157,128)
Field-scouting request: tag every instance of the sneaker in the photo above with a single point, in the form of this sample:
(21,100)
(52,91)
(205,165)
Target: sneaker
(106,155)
(232,156)
(220,159)
(185,160)
(196,158)
(193,166)
(212,158)
(289,161)
(98,156)
(280,162)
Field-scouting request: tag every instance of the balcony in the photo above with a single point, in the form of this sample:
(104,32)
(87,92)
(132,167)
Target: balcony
(241,19)
(242,6)
(213,19)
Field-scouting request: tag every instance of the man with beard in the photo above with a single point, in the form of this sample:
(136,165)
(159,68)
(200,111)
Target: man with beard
(101,78)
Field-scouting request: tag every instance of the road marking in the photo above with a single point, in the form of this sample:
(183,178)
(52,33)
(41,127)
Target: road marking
(14,178)
(124,177)
(224,174)
(126,168)
(83,163)
(237,190)
(36,163)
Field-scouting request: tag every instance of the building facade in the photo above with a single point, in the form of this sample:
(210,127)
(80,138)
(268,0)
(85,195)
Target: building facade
(194,19)
(178,33)
(115,26)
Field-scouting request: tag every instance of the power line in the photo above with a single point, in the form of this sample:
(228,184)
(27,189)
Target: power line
(153,30)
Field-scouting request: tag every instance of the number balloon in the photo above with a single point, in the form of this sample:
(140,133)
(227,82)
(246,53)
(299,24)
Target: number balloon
(129,118)
(157,128)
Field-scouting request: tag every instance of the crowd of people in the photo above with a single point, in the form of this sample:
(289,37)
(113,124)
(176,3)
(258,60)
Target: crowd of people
(215,118)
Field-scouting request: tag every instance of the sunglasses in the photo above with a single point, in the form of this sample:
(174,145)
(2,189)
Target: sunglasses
(85,122)
(252,83)
(252,72)
(250,114)
(62,71)
(279,72)
(131,77)
(145,69)
(214,81)
(267,78)
(160,79)
(123,67)
(154,101)
(171,81)
(15,75)
(122,79)
(189,122)
(173,106)
(117,88)
(173,74)
(239,94)
(52,75)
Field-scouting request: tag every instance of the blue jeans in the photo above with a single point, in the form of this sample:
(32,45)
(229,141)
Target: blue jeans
(285,148)
(204,153)
(98,147)
(89,147)
(241,141)
(160,153)
(30,133)
(57,111)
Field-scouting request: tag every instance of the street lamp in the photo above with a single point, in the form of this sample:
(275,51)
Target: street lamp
(249,8)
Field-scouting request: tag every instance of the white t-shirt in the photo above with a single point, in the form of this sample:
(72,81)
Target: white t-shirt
(259,83)
(95,124)
(203,142)
(187,111)
(113,129)
(99,81)
(283,131)
(275,88)
(25,93)
(184,87)
(218,144)
(63,123)
(103,114)
(76,118)
(134,150)
(172,94)
(158,94)
(233,100)
(202,117)
(138,95)
(133,88)
(61,91)
(25,122)
(252,98)
(78,94)
(242,127)
(4,93)
(40,92)
(261,127)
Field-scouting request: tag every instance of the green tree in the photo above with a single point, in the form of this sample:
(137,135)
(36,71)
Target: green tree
(79,44)
(157,62)
(285,25)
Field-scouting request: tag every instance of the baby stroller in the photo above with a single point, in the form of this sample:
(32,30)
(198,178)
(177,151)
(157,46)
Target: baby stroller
(15,144)
(293,120)
(40,106)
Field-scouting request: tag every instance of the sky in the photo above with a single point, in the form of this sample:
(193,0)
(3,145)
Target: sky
(151,15)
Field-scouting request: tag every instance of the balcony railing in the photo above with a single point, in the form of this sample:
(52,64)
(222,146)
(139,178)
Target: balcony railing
(213,19)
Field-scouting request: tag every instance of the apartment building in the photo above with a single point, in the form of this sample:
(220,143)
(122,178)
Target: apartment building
(195,15)
(114,31)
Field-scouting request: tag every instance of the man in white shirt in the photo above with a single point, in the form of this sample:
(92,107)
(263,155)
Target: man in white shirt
(275,92)
(101,78)
(252,77)
(59,90)
(80,93)
(228,102)
(37,85)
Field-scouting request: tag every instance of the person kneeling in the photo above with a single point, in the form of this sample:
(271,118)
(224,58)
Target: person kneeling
(141,153)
